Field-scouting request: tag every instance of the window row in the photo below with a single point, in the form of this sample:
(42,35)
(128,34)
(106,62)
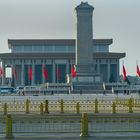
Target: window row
(54,49)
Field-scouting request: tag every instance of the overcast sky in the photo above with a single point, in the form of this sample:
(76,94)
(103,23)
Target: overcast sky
(45,19)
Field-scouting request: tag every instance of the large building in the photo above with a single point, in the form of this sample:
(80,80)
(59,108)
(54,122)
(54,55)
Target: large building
(57,56)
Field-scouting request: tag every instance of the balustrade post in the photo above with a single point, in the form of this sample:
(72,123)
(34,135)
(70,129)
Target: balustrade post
(5,108)
(96,106)
(9,131)
(84,125)
(114,108)
(61,106)
(27,106)
(46,106)
(77,108)
(41,108)
(130,104)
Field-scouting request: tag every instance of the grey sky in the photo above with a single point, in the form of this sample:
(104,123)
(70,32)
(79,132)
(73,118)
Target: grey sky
(32,19)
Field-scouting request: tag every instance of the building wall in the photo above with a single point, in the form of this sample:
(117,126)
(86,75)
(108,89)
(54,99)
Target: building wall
(54,49)
(57,70)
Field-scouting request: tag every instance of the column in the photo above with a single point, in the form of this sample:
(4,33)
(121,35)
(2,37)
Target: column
(67,67)
(33,72)
(22,73)
(70,67)
(13,82)
(118,71)
(3,73)
(108,73)
(53,78)
(98,66)
(43,79)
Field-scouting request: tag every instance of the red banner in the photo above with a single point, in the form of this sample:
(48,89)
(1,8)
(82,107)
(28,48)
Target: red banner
(124,73)
(138,71)
(45,73)
(15,73)
(73,71)
(30,72)
(59,73)
(0,72)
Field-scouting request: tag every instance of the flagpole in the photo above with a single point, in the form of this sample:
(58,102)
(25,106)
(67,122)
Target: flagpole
(136,62)
(122,62)
(43,77)
(137,71)
(13,77)
(14,73)
(28,73)
(43,73)
(57,78)
(57,73)
(123,77)
(137,67)
(0,70)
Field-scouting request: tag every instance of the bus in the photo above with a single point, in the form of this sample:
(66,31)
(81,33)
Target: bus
(6,90)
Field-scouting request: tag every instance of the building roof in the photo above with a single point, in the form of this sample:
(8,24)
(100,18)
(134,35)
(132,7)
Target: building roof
(57,55)
(53,42)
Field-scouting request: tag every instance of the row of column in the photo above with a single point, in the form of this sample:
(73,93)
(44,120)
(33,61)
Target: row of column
(108,70)
(43,79)
(53,71)
(22,79)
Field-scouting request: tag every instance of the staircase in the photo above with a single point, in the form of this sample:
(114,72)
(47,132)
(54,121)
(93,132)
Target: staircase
(88,88)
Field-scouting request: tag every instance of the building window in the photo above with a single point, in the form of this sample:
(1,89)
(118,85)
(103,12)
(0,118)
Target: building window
(71,49)
(48,49)
(27,49)
(60,48)
(101,48)
(37,48)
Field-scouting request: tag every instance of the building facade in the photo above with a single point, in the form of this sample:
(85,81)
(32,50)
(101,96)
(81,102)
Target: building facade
(57,56)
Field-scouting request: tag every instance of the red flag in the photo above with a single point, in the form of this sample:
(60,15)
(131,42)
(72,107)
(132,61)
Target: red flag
(138,71)
(124,73)
(73,71)
(30,72)
(59,73)
(15,73)
(45,73)
(0,72)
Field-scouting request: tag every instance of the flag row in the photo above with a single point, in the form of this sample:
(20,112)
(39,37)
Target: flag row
(125,73)
(73,72)
(45,72)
